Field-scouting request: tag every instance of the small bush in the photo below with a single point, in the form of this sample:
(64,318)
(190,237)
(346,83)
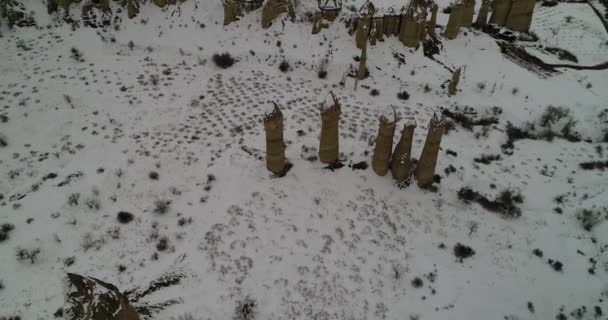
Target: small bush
(403,95)
(153,175)
(163,244)
(374,92)
(76,55)
(505,203)
(417,282)
(124,217)
(322,68)
(162,206)
(245,309)
(93,204)
(589,218)
(73,199)
(284,66)
(487,158)
(28,255)
(462,252)
(3,141)
(224,60)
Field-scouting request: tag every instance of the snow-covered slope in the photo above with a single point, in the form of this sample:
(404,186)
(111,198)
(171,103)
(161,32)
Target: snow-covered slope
(316,244)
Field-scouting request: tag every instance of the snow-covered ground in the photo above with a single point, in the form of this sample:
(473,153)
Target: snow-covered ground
(315,244)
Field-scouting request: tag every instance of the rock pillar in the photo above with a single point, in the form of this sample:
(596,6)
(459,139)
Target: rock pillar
(454,82)
(384,146)
(400,163)
(275,146)
(500,12)
(453,27)
(428,159)
(468,10)
(520,15)
(482,16)
(329,144)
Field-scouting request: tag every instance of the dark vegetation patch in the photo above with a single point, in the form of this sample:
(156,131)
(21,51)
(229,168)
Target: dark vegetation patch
(374,92)
(417,282)
(28,255)
(163,281)
(555,122)
(487,158)
(466,121)
(161,206)
(334,166)
(591,218)
(594,165)
(359,165)
(403,95)
(562,54)
(505,204)
(537,252)
(124,217)
(3,141)
(462,252)
(153,175)
(245,309)
(5,231)
(284,66)
(224,60)
(556,265)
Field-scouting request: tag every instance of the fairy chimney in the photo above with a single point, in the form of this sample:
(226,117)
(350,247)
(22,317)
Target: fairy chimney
(520,15)
(454,22)
(413,24)
(454,82)
(362,71)
(400,163)
(428,159)
(482,16)
(432,24)
(468,10)
(232,10)
(329,142)
(275,146)
(273,8)
(500,12)
(384,146)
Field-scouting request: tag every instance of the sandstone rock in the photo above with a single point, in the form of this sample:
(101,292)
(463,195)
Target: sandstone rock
(384,146)
(454,82)
(428,159)
(275,146)
(400,162)
(520,15)
(329,143)
(455,21)
(500,12)
(92,299)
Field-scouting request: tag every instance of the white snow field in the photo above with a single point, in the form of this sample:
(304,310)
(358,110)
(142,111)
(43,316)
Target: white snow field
(86,132)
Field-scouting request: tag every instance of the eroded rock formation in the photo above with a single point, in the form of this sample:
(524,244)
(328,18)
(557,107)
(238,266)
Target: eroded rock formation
(453,86)
(273,8)
(520,15)
(413,23)
(329,142)
(482,16)
(384,146)
(454,22)
(468,10)
(92,299)
(500,12)
(275,146)
(400,162)
(428,159)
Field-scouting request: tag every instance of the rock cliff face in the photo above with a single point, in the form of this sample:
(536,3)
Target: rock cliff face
(92,299)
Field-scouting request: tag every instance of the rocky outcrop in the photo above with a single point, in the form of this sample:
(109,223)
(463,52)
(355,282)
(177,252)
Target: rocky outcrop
(384,146)
(453,86)
(500,12)
(413,24)
(400,162)
(520,15)
(482,16)
(273,8)
(92,299)
(329,142)
(468,10)
(454,22)
(428,159)
(275,146)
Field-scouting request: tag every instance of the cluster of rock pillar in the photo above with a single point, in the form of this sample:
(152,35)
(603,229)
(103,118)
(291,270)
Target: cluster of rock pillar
(399,163)
(233,9)
(275,146)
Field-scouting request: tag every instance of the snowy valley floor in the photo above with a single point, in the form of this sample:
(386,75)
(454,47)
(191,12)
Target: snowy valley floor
(133,127)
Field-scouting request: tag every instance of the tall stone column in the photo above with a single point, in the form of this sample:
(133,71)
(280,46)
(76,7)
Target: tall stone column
(428,159)
(362,31)
(410,32)
(482,16)
(273,9)
(520,15)
(132,8)
(432,24)
(454,82)
(454,22)
(500,12)
(384,146)
(275,146)
(329,142)
(467,13)
(232,11)
(361,73)
(400,163)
